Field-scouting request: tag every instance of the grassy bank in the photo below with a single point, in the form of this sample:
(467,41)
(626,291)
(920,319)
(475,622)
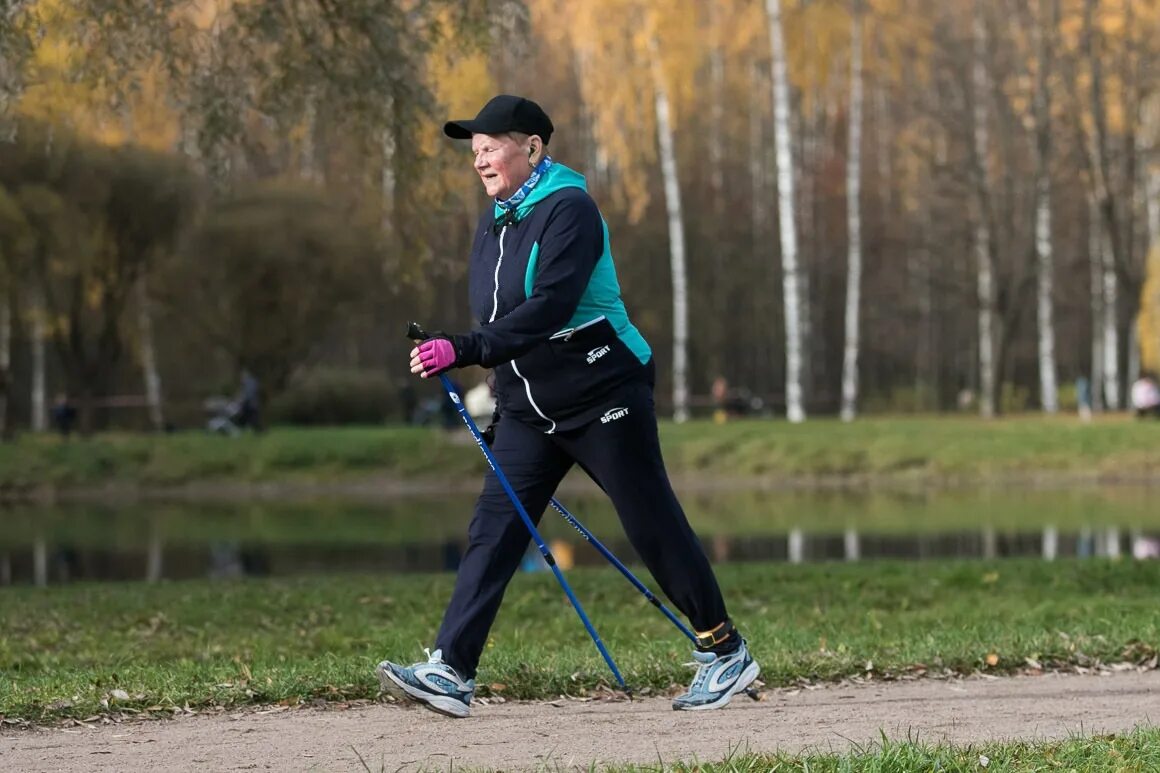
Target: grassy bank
(1136,751)
(64,650)
(904,448)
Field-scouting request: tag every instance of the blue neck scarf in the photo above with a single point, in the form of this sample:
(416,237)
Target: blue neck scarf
(518,197)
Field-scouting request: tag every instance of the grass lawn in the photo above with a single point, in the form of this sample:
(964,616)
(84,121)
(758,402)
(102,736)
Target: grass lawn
(906,448)
(63,650)
(1136,751)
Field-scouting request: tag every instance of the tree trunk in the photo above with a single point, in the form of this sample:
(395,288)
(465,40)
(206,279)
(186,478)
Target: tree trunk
(1152,181)
(676,237)
(153,395)
(5,363)
(718,340)
(1109,224)
(795,411)
(387,179)
(39,340)
(853,220)
(1096,264)
(757,152)
(308,160)
(1111,331)
(1045,261)
(985,278)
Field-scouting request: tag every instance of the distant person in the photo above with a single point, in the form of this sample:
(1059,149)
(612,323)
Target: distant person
(64,415)
(1146,396)
(720,394)
(1083,398)
(575,382)
(250,403)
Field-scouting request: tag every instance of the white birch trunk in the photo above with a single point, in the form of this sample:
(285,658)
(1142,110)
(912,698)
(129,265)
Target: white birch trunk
(39,335)
(1048,387)
(676,237)
(1045,261)
(1104,205)
(985,283)
(152,376)
(853,220)
(795,411)
(1096,263)
(1111,333)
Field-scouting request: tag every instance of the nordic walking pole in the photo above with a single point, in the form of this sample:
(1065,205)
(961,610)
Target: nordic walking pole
(416,333)
(628,575)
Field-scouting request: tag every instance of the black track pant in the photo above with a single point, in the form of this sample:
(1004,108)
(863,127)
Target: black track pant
(623,456)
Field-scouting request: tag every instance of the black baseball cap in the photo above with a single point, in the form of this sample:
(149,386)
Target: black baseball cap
(505,113)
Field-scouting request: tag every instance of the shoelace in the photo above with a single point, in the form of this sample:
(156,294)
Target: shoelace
(702,674)
(433,659)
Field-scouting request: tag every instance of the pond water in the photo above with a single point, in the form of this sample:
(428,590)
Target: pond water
(155,541)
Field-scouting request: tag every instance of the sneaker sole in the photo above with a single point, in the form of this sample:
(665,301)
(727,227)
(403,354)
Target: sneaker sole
(748,677)
(440,704)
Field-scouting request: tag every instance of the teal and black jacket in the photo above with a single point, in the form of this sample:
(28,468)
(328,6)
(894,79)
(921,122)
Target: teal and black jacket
(543,287)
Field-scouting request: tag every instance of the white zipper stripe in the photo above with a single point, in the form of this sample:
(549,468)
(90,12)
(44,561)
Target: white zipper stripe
(494,310)
(528,390)
(498,263)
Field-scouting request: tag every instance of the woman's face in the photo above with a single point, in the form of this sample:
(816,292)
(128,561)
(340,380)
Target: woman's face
(502,162)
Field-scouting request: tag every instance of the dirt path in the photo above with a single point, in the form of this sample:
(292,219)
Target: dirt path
(567,734)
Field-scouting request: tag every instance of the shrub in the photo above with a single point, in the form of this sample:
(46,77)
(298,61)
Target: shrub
(332,397)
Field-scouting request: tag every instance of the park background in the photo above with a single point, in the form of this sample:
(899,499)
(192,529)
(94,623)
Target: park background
(896,261)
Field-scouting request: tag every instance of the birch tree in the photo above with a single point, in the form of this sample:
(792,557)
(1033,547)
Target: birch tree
(676,236)
(1109,247)
(853,219)
(152,374)
(795,410)
(1043,32)
(1096,300)
(985,291)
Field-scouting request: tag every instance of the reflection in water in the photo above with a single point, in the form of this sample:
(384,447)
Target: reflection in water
(154,541)
(41,563)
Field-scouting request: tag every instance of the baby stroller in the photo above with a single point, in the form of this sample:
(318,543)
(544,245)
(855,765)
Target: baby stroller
(225,416)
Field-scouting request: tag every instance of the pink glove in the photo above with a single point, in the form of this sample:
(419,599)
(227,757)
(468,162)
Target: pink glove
(432,357)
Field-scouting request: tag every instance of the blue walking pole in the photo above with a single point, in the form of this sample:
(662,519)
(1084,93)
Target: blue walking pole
(416,333)
(640,586)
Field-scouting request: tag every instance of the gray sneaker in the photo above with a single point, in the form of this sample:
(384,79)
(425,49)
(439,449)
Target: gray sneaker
(433,684)
(718,679)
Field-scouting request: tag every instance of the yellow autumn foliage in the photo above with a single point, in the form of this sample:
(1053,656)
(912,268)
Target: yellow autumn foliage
(1149,322)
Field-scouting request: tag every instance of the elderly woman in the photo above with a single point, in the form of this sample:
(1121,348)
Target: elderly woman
(574,381)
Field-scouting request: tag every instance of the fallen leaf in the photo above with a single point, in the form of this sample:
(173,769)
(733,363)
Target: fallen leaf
(119,695)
